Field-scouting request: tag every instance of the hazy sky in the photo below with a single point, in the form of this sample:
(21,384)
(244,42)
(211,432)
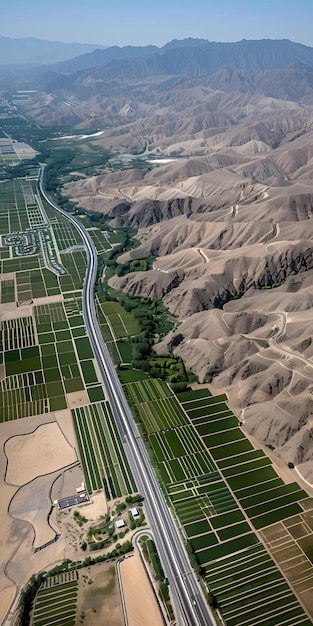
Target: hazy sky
(140,22)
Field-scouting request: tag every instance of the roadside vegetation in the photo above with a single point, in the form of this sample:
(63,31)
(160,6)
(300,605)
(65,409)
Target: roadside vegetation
(151,557)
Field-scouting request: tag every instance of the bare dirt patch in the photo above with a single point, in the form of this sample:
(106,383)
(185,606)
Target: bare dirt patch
(30,502)
(136,585)
(34,454)
(99,600)
(7,596)
(65,422)
(97,507)
(77,398)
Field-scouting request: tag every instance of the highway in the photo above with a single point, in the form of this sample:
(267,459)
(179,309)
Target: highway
(188,601)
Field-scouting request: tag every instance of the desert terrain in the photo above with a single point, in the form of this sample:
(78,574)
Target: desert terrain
(33,454)
(99,599)
(136,586)
(231,234)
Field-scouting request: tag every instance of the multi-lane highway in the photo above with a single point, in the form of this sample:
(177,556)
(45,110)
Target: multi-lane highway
(188,601)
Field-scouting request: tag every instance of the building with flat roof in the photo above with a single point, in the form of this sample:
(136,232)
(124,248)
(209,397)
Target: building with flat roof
(120,523)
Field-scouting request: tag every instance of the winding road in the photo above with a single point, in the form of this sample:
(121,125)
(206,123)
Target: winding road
(273,340)
(188,601)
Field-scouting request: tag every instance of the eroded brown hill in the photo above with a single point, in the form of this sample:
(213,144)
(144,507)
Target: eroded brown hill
(230,224)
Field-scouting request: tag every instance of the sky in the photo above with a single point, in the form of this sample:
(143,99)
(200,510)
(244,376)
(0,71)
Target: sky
(143,22)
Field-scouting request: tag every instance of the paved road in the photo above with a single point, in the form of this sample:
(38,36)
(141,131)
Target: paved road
(188,601)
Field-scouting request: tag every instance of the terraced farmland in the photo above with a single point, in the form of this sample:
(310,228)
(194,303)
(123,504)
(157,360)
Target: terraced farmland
(101,452)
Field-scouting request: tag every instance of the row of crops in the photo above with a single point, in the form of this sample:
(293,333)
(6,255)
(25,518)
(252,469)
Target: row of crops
(222,491)
(103,458)
(56,604)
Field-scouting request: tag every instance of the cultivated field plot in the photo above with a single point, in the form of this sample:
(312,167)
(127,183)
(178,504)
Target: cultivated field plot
(251,591)
(7,153)
(66,235)
(34,245)
(156,406)
(160,414)
(202,502)
(101,452)
(174,443)
(22,391)
(18,205)
(100,239)
(239,571)
(197,404)
(194,394)
(44,361)
(61,354)
(17,333)
(73,309)
(122,323)
(147,391)
(19,264)
(291,544)
(184,467)
(248,472)
(75,263)
(56,604)
(46,354)
(36,284)
(7,290)
(180,454)
(117,326)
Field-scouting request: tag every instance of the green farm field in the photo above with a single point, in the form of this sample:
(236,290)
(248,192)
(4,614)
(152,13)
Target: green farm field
(204,473)
(122,323)
(160,414)
(101,241)
(101,452)
(56,605)
(147,391)
(58,364)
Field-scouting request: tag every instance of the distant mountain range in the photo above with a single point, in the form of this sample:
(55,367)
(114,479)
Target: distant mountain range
(276,68)
(113,86)
(34,51)
(194,57)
